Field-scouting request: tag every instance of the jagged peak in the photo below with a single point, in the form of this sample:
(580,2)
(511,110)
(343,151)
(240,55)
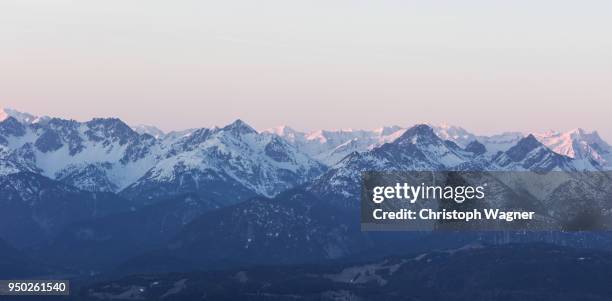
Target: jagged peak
(149,129)
(103,127)
(239,127)
(319,135)
(573,133)
(59,123)
(12,126)
(22,117)
(575,143)
(196,137)
(580,132)
(589,136)
(110,122)
(530,141)
(10,120)
(476,147)
(524,146)
(594,137)
(446,126)
(596,133)
(423,130)
(106,119)
(281,130)
(387,130)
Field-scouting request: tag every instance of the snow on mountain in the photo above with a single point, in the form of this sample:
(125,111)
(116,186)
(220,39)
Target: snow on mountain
(148,129)
(100,155)
(453,133)
(235,157)
(287,133)
(22,117)
(578,144)
(330,146)
(531,154)
(8,167)
(105,154)
(493,144)
(418,148)
(500,142)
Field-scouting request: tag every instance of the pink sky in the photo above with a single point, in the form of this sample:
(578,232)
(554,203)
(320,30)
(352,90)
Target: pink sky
(486,66)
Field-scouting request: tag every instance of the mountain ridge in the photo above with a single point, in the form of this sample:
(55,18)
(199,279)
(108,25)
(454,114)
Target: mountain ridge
(106,154)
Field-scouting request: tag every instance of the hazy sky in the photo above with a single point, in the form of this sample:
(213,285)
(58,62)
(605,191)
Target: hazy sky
(487,65)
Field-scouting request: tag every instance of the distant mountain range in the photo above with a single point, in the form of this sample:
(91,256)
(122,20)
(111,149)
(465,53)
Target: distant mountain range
(124,199)
(106,154)
(331,146)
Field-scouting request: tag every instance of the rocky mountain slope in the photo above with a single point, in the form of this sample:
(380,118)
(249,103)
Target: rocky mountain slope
(106,155)
(225,196)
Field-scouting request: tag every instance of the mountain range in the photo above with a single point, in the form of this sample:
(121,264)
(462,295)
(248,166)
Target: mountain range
(125,200)
(106,154)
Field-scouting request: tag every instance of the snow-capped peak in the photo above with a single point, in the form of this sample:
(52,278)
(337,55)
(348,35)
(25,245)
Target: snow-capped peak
(209,159)
(531,154)
(148,129)
(577,144)
(388,130)
(526,145)
(281,130)
(286,132)
(239,127)
(22,117)
(453,133)
(330,146)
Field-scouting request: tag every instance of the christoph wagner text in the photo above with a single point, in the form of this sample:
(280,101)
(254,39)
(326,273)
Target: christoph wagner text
(428,214)
(414,193)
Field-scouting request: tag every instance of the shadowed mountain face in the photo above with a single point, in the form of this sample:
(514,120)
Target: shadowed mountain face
(33,208)
(102,243)
(14,263)
(530,154)
(294,227)
(474,272)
